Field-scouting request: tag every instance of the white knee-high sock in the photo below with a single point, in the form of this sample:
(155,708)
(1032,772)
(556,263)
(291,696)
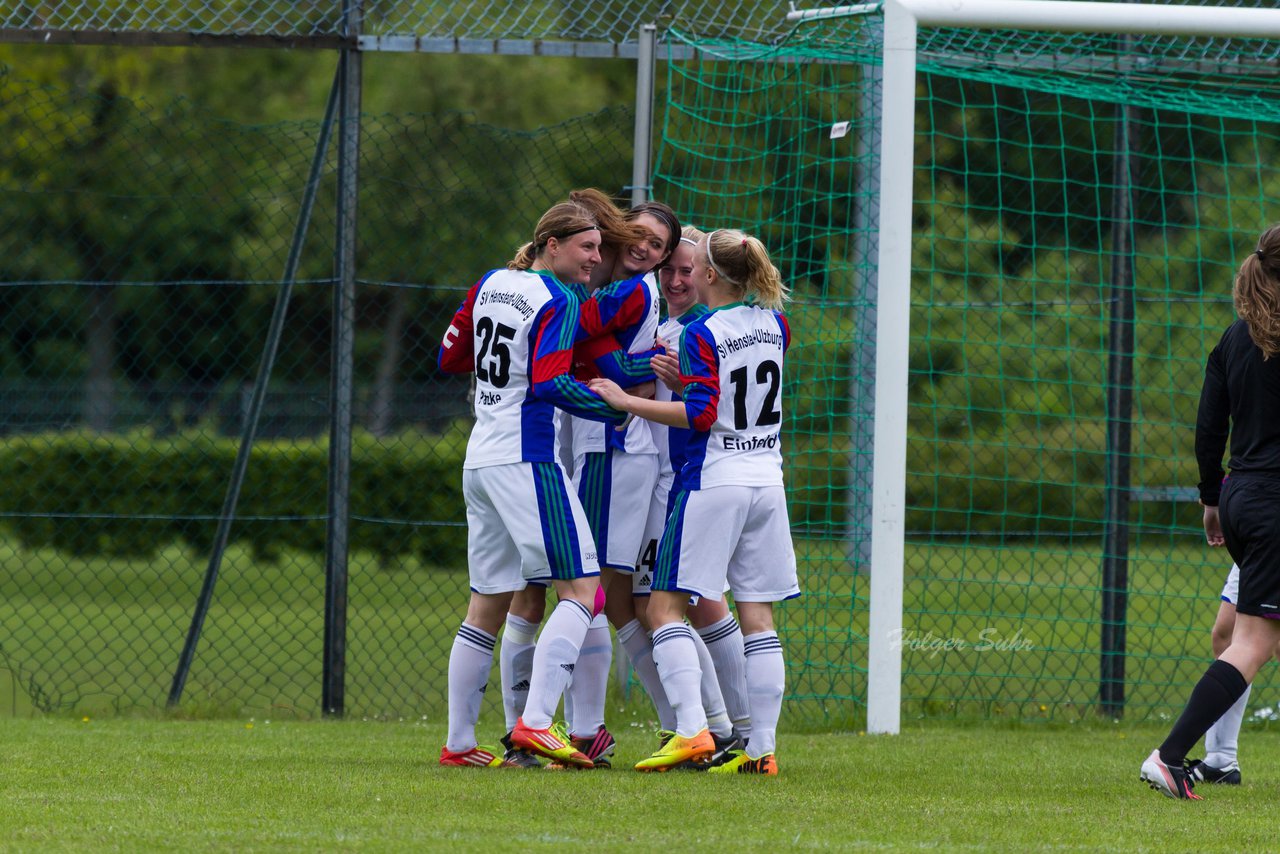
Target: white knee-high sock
(1222,739)
(766,679)
(639,649)
(712,700)
(586,692)
(677,661)
(469,663)
(724,642)
(515,663)
(554,657)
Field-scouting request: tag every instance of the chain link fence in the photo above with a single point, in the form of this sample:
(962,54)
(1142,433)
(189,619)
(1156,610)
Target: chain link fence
(600,21)
(141,254)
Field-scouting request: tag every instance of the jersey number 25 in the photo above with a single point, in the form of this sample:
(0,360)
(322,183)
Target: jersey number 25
(493,359)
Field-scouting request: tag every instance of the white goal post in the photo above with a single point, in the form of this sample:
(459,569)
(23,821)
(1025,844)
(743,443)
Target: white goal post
(902,19)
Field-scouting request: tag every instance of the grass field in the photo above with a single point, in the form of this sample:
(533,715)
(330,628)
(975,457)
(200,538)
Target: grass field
(96,636)
(139,785)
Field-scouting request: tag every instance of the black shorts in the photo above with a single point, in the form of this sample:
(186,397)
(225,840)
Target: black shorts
(1250,514)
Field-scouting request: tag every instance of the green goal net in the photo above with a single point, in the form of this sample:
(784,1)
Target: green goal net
(1080,205)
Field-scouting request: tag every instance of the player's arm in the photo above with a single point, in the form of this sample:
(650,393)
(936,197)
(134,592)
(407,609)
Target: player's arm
(702,391)
(700,373)
(1213,419)
(613,308)
(551,379)
(669,412)
(785,325)
(613,362)
(457,349)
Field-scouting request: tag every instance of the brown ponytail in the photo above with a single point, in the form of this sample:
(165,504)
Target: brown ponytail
(560,221)
(1256,292)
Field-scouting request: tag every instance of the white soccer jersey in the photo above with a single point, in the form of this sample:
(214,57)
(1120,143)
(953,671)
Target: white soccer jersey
(731,360)
(629,311)
(515,330)
(671,441)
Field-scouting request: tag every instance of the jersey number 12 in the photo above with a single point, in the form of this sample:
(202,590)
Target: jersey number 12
(767,372)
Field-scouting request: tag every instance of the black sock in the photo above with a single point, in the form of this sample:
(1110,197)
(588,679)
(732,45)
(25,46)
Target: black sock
(1215,693)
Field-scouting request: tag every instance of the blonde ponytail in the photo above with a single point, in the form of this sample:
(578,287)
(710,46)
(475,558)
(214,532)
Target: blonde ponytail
(743,262)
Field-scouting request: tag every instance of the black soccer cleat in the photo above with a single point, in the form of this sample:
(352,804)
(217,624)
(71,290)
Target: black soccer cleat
(518,757)
(726,746)
(1202,773)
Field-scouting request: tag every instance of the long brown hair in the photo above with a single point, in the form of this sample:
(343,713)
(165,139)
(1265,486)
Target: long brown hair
(742,261)
(1256,292)
(615,231)
(560,221)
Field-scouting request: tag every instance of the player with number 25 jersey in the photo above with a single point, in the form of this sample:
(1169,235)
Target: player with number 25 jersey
(515,330)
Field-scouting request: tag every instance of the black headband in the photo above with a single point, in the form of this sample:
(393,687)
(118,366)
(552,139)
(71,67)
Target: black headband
(543,241)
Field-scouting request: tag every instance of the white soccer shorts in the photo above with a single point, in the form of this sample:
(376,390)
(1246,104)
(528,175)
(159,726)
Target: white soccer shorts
(738,533)
(615,489)
(1231,590)
(524,523)
(655,524)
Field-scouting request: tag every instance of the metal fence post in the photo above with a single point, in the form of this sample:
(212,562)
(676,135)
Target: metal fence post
(644,114)
(342,378)
(1115,545)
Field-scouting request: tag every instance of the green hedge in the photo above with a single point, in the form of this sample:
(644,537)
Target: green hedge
(133,495)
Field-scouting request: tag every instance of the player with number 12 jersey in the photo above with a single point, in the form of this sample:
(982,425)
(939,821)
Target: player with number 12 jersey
(729,519)
(733,358)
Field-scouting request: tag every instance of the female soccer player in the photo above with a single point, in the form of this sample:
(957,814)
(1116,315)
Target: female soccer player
(731,361)
(724,691)
(1241,399)
(515,330)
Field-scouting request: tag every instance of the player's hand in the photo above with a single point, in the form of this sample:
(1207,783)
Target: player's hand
(1213,528)
(609,390)
(667,368)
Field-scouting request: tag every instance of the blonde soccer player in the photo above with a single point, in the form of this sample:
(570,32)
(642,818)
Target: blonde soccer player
(718,635)
(731,362)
